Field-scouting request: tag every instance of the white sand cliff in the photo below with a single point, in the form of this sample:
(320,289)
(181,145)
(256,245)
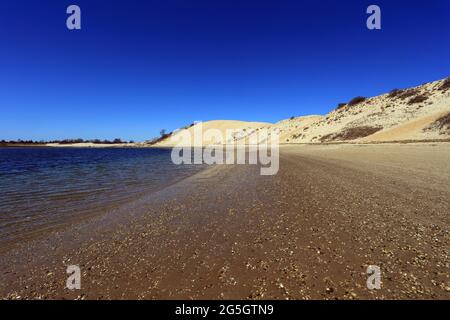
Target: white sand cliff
(421,113)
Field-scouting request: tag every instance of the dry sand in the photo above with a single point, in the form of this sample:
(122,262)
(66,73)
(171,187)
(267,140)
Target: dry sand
(228,233)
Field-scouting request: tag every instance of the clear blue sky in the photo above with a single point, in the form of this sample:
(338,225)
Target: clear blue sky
(139,66)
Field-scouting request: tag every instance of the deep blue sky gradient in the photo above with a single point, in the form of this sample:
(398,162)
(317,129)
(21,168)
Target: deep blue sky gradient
(139,66)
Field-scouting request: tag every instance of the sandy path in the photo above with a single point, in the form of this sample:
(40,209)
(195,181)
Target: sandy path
(227,232)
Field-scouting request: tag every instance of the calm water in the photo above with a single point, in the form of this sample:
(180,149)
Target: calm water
(43,187)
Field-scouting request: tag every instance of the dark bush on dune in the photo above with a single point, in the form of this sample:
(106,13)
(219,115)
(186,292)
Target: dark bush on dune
(407,93)
(445,85)
(340,106)
(395,93)
(356,100)
(418,99)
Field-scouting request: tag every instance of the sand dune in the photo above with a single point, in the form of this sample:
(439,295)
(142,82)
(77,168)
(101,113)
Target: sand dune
(399,115)
(220,125)
(406,114)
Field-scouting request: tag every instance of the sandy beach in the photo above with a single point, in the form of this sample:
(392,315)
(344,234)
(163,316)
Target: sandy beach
(308,232)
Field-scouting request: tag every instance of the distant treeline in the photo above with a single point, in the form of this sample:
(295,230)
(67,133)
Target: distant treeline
(66,141)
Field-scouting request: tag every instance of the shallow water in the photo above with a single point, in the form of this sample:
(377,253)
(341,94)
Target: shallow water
(44,187)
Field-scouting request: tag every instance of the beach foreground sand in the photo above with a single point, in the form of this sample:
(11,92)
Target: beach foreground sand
(309,232)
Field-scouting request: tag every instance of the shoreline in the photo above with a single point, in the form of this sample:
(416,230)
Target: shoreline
(228,233)
(141,145)
(86,216)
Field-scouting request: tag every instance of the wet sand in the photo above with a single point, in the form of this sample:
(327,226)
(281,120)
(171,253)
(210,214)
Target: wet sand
(229,233)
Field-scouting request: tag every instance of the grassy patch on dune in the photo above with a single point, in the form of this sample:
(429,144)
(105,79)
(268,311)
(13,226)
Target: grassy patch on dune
(418,99)
(442,124)
(413,95)
(403,94)
(350,134)
(395,93)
